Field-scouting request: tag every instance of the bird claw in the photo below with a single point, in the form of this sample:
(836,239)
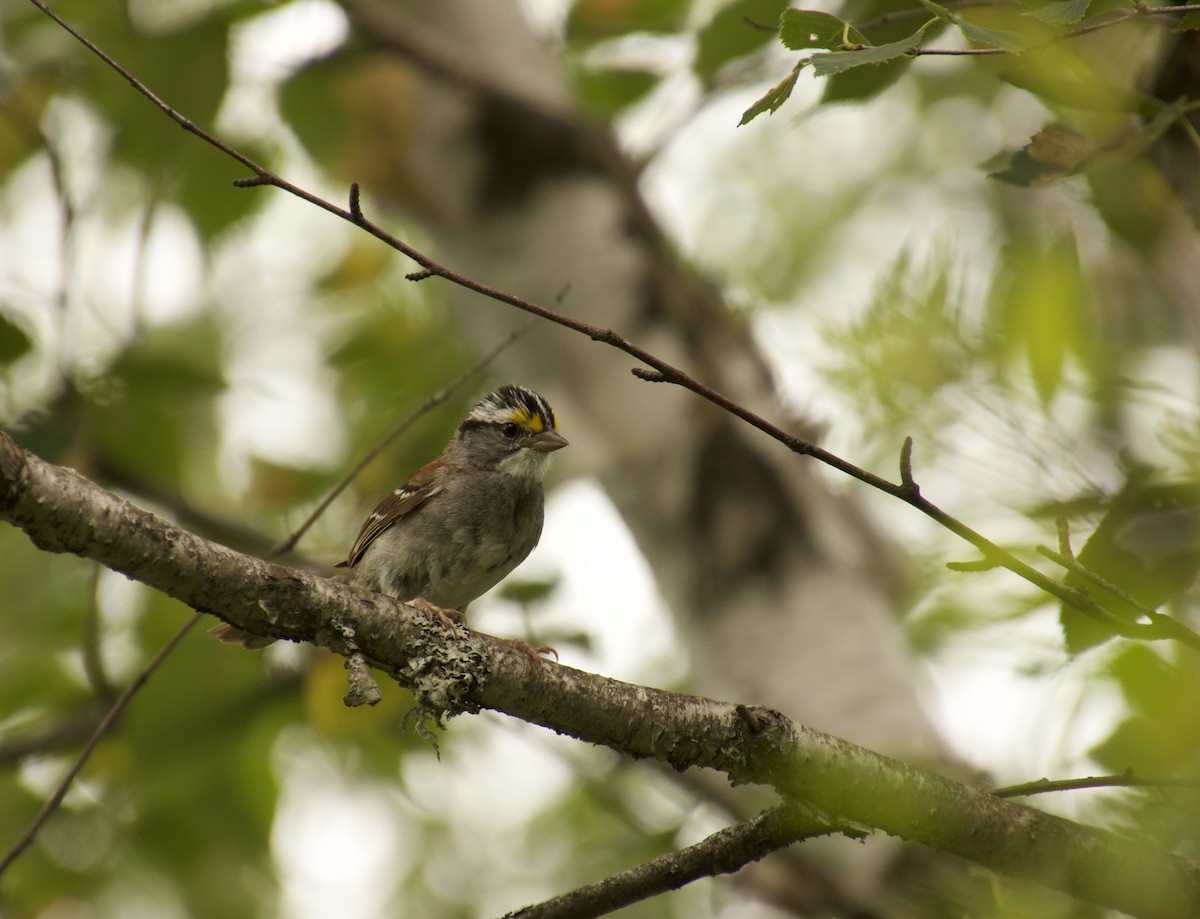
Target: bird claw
(535,653)
(450,618)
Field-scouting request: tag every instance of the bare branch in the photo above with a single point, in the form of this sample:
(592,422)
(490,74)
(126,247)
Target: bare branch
(974,567)
(1072,564)
(1125,780)
(907,482)
(724,852)
(1160,622)
(1063,525)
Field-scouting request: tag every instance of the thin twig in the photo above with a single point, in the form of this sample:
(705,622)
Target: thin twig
(1145,9)
(1125,780)
(1072,564)
(957,52)
(1157,619)
(664,372)
(106,722)
(906,474)
(1063,525)
(723,852)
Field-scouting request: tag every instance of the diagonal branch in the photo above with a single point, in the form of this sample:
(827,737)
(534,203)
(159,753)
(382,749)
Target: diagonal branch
(1126,780)
(453,673)
(724,852)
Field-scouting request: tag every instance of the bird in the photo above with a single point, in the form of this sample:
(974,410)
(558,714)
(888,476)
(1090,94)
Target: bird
(463,521)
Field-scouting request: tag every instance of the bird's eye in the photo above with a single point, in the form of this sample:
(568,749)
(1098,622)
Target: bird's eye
(510,430)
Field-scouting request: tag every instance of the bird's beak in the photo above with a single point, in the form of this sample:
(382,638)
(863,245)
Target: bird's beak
(547,441)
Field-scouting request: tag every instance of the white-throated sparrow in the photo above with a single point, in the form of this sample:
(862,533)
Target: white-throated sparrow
(462,521)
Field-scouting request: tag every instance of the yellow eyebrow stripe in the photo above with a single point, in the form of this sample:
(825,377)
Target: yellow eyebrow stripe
(528,421)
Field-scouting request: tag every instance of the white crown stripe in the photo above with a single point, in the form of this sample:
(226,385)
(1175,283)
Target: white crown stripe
(499,407)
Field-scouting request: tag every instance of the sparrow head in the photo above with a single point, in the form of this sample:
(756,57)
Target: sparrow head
(513,430)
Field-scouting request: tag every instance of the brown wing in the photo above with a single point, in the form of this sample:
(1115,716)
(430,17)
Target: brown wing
(420,487)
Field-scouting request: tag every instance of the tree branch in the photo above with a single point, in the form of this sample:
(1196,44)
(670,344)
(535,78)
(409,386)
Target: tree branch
(454,672)
(1127,780)
(724,852)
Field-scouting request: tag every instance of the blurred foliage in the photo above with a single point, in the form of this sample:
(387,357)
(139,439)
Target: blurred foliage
(735,30)
(1147,544)
(1045,310)
(597,20)
(175,812)
(901,351)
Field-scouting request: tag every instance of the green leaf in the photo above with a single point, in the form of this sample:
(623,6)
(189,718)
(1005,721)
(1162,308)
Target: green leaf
(154,410)
(1062,12)
(609,91)
(1147,544)
(841,61)
(801,30)
(195,90)
(734,32)
(13,342)
(1045,307)
(25,98)
(1189,23)
(998,38)
(863,83)
(527,592)
(595,20)
(1134,200)
(775,98)
(317,102)
(1059,75)
(1160,735)
(908,344)
(204,189)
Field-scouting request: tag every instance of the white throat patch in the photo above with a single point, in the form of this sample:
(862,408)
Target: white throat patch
(529,466)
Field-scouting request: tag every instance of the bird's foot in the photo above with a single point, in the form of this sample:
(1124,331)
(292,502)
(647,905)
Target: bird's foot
(534,652)
(450,618)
